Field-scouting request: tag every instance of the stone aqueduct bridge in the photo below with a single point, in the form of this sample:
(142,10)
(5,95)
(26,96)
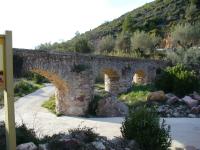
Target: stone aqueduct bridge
(74,74)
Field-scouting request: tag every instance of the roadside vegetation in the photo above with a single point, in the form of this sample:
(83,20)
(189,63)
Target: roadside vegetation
(50,104)
(137,94)
(26,85)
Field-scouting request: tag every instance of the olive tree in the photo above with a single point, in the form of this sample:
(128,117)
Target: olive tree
(106,44)
(82,45)
(143,41)
(123,42)
(186,35)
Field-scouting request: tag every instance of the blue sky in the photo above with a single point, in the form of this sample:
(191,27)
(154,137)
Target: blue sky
(39,21)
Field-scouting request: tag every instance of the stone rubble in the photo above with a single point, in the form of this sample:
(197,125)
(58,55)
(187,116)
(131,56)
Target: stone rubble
(188,106)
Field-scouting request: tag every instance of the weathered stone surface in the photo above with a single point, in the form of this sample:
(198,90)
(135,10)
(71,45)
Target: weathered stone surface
(190,102)
(111,107)
(27,146)
(156,96)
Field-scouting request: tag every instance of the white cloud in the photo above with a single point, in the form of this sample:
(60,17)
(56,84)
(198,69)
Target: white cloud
(39,21)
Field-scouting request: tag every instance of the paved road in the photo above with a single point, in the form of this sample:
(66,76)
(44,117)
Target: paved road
(185,131)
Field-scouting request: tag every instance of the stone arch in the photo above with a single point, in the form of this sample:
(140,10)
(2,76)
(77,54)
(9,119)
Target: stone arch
(111,80)
(73,93)
(139,77)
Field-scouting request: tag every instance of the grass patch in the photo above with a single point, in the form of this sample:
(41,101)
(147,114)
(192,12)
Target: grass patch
(50,104)
(136,94)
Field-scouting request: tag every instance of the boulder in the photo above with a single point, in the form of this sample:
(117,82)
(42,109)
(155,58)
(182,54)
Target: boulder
(99,145)
(169,95)
(195,110)
(195,96)
(111,107)
(156,96)
(27,146)
(190,102)
(172,100)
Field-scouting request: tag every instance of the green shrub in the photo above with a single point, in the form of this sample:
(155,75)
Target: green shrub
(93,105)
(137,94)
(82,45)
(177,79)
(23,135)
(24,87)
(143,125)
(84,134)
(50,104)
(36,77)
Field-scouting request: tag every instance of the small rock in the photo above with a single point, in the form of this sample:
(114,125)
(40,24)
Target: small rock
(192,116)
(99,145)
(195,96)
(156,96)
(195,110)
(172,100)
(169,95)
(190,102)
(27,146)
(176,114)
(43,147)
(190,148)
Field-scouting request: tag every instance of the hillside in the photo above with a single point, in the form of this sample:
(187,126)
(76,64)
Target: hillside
(157,17)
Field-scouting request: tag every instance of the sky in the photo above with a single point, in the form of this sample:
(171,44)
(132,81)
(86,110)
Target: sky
(41,21)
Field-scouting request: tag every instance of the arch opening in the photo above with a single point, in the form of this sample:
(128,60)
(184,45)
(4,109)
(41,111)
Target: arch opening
(139,77)
(111,81)
(73,92)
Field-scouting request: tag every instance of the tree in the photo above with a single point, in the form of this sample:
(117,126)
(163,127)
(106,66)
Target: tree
(127,24)
(143,41)
(106,44)
(123,42)
(186,35)
(190,11)
(82,45)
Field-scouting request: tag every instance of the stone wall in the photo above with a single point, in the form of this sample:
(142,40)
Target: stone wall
(75,89)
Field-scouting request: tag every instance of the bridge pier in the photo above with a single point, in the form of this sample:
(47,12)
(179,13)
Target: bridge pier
(112,84)
(75,99)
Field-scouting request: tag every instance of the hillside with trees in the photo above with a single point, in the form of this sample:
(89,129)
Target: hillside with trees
(152,22)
